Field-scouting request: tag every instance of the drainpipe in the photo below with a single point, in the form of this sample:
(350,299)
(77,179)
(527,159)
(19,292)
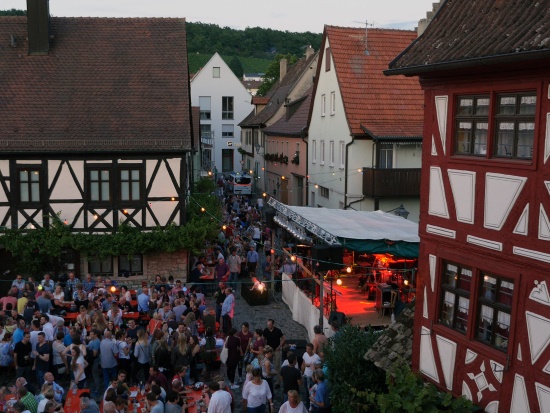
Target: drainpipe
(303,135)
(346,171)
(376,199)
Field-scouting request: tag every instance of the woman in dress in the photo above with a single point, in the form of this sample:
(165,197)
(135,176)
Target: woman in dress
(78,364)
(142,353)
(256,394)
(196,360)
(233,345)
(181,356)
(268,369)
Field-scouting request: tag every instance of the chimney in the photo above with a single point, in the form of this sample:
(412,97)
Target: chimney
(424,23)
(38,26)
(282,69)
(309,52)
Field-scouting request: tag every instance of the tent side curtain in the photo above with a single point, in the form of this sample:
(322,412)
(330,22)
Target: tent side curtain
(400,249)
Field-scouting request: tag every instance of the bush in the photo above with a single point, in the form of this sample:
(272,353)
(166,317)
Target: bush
(352,379)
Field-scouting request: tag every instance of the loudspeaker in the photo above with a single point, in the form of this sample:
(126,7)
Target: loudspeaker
(328,257)
(337,316)
(269,217)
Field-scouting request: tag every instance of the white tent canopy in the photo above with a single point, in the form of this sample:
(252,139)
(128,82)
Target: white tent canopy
(371,232)
(360,225)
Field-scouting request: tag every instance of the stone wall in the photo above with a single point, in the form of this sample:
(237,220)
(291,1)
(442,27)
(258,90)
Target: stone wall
(166,264)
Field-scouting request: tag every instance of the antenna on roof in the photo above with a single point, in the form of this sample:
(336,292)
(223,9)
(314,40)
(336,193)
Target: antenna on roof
(366,34)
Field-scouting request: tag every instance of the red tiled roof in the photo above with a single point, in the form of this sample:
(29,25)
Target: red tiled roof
(260,100)
(294,125)
(278,93)
(463,32)
(385,106)
(107,84)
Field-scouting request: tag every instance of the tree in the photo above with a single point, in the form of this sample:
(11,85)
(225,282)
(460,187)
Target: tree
(13,12)
(236,66)
(272,73)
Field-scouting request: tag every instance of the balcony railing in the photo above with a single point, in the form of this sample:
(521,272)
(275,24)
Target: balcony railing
(207,164)
(380,183)
(207,138)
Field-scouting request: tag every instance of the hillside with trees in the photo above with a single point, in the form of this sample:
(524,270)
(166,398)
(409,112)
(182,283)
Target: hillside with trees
(251,50)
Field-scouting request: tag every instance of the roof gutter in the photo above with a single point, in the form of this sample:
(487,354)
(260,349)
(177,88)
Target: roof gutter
(303,136)
(518,57)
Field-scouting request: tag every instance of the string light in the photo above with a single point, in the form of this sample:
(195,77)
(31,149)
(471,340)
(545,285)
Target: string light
(339,281)
(348,270)
(203,209)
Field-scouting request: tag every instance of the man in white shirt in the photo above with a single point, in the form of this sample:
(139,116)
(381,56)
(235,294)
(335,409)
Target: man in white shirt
(220,402)
(47,327)
(308,367)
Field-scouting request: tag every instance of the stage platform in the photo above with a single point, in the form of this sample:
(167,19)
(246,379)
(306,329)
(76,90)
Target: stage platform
(353,303)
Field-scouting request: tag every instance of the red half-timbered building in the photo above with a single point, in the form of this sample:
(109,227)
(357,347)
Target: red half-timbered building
(482,322)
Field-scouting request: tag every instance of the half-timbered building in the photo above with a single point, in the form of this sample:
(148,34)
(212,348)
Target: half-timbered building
(482,322)
(95,127)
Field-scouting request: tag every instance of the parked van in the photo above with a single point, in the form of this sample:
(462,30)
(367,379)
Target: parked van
(239,183)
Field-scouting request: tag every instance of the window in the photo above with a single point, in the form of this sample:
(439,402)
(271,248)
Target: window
(206,131)
(495,307)
(314,152)
(323,104)
(248,137)
(204,105)
(130,184)
(227,107)
(328,57)
(103,266)
(332,103)
(385,159)
(342,155)
(510,133)
(331,154)
(472,120)
(215,72)
(324,192)
(132,265)
(227,131)
(99,181)
(322,155)
(29,185)
(515,126)
(455,296)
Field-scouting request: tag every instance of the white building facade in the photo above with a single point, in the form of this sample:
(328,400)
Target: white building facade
(223,102)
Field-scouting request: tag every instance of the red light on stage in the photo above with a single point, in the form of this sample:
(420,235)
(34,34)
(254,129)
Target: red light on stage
(272,251)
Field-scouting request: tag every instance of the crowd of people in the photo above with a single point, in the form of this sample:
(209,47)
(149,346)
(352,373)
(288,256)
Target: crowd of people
(174,343)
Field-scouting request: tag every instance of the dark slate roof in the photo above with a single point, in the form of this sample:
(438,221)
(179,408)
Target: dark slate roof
(373,102)
(467,33)
(297,122)
(278,93)
(395,344)
(107,85)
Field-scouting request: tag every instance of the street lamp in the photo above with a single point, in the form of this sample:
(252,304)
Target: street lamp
(400,211)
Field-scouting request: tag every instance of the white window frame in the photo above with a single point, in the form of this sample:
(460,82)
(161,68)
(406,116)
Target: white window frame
(322,154)
(228,131)
(331,154)
(332,103)
(205,105)
(323,104)
(314,151)
(342,154)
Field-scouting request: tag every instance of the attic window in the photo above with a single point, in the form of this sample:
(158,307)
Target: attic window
(328,58)
(215,72)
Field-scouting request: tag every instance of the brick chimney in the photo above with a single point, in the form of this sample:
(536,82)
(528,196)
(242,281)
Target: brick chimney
(309,52)
(38,26)
(282,69)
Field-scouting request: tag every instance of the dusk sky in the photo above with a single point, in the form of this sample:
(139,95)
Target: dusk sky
(291,15)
